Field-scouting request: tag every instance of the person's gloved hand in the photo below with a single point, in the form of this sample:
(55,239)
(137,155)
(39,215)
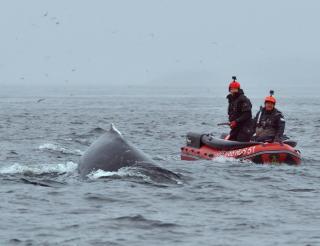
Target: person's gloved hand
(233,124)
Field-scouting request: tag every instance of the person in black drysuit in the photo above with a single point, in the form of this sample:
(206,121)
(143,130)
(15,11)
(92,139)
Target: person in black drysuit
(240,115)
(269,123)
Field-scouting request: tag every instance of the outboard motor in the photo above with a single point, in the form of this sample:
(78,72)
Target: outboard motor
(194,140)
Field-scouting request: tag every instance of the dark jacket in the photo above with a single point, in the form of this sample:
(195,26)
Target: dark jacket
(239,109)
(269,124)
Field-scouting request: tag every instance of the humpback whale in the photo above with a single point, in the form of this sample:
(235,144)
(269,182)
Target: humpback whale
(112,151)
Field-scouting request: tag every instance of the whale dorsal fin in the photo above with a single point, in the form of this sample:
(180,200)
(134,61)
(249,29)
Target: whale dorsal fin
(114,129)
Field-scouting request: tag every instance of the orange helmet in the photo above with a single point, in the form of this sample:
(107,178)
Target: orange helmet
(234,84)
(270,98)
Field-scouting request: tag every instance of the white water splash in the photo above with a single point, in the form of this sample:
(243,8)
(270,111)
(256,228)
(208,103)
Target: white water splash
(122,172)
(55,148)
(17,168)
(223,159)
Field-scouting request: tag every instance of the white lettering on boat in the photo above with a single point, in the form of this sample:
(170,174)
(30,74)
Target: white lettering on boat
(239,152)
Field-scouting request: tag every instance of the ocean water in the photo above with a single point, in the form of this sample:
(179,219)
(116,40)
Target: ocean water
(221,202)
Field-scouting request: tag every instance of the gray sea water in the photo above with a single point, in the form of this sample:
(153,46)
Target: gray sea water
(220,202)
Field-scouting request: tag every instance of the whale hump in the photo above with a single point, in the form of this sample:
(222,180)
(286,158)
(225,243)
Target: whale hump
(111,152)
(114,129)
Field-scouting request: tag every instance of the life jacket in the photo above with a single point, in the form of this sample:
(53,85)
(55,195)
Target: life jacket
(269,124)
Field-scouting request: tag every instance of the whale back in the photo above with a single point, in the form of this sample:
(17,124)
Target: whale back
(110,152)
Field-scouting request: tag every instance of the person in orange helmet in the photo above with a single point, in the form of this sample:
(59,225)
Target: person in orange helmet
(269,122)
(240,114)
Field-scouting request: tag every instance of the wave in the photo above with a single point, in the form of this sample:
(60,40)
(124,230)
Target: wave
(84,138)
(142,222)
(39,169)
(97,130)
(55,148)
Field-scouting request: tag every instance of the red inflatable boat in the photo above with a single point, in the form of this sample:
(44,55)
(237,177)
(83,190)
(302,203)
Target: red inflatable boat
(205,146)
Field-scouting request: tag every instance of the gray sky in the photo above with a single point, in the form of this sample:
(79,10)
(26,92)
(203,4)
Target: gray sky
(133,42)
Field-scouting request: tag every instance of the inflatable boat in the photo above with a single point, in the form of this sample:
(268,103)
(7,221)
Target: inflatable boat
(206,146)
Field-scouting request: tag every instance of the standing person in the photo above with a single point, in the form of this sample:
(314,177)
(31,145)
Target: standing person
(269,122)
(240,115)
